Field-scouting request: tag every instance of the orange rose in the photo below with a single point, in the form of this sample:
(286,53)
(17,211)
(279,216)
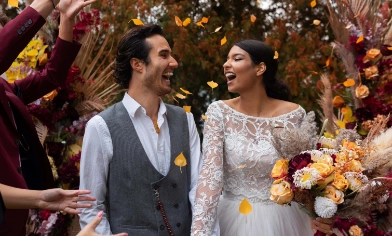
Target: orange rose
(373,54)
(332,193)
(281,192)
(355,231)
(280,169)
(338,101)
(362,91)
(340,182)
(371,72)
(324,169)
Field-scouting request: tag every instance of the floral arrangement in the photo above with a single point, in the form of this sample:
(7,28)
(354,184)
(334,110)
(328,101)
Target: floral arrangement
(344,177)
(32,57)
(363,43)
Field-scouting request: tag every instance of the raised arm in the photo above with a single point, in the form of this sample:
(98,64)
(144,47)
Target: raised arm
(211,176)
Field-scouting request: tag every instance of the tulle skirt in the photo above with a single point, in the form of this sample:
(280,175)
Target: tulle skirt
(264,220)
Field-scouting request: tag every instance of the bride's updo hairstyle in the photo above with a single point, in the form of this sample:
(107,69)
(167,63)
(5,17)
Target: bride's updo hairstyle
(261,52)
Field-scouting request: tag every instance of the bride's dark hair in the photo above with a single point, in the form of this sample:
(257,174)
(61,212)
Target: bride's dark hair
(261,52)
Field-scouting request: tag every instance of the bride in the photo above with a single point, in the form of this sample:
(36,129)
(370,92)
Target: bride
(239,156)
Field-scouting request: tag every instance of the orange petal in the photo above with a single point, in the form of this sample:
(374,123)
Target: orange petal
(349,83)
(187,109)
(204,20)
(316,22)
(185,91)
(180,96)
(180,160)
(178,21)
(212,84)
(253,18)
(204,117)
(313,3)
(245,207)
(328,62)
(276,55)
(360,39)
(223,40)
(137,22)
(186,21)
(13,3)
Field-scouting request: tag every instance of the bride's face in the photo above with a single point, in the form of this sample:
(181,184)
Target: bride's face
(240,71)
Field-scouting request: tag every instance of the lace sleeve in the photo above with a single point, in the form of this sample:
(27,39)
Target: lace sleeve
(211,176)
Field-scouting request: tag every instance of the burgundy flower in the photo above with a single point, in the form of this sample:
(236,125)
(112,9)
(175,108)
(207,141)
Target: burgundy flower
(385,51)
(351,125)
(44,214)
(298,162)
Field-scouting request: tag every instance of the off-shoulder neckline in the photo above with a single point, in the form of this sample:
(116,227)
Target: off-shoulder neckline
(261,118)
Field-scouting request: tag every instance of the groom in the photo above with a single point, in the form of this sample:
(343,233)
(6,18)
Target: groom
(129,149)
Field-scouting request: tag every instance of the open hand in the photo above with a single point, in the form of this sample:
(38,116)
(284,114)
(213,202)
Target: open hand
(70,8)
(58,199)
(89,230)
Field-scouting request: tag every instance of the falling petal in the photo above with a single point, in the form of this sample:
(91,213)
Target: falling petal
(13,3)
(178,21)
(315,72)
(245,207)
(276,55)
(204,117)
(137,22)
(204,20)
(180,96)
(328,62)
(313,3)
(253,18)
(175,99)
(212,84)
(216,30)
(356,15)
(349,83)
(389,48)
(360,39)
(316,22)
(187,109)
(186,21)
(185,91)
(223,40)
(349,26)
(180,161)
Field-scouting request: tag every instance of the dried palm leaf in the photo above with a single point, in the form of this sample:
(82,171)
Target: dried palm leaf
(326,105)
(42,131)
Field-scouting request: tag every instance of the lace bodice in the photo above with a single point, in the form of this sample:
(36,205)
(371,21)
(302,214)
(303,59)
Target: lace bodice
(238,159)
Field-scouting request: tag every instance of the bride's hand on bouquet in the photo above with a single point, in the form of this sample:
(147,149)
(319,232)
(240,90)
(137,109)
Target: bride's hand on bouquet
(322,225)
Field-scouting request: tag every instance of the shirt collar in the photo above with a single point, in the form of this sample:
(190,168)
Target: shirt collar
(133,106)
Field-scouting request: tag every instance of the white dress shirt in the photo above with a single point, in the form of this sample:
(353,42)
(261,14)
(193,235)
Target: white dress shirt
(97,153)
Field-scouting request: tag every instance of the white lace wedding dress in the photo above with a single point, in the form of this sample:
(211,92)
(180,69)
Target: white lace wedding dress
(238,159)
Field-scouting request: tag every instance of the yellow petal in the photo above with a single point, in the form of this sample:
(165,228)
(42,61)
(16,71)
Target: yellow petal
(316,22)
(212,84)
(360,39)
(357,15)
(180,96)
(349,83)
(315,72)
(32,53)
(252,18)
(178,21)
(313,3)
(185,91)
(13,3)
(186,21)
(137,22)
(43,59)
(187,109)
(276,55)
(349,26)
(216,30)
(180,160)
(245,207)
(204,117)
(223,40)
(204,20)
(389,48)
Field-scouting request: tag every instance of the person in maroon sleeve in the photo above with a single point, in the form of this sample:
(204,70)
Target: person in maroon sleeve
(24,163)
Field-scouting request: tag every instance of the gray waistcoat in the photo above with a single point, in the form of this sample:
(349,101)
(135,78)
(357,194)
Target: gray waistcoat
(132,206)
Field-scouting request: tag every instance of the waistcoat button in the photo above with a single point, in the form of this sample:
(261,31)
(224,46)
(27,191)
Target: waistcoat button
(158,207)
(178,224)
(176,205)
(162,227)
(174,185)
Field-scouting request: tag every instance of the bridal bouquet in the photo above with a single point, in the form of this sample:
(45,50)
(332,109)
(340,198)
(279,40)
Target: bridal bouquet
(344,177)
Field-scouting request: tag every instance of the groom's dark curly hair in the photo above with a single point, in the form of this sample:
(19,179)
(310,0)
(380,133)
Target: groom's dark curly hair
(133,45)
